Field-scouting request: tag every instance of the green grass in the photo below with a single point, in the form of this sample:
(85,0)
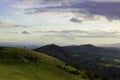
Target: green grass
(116,60)
(32,72)
(23,64)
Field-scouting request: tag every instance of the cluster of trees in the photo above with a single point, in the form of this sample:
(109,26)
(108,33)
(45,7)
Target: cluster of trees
(96,67)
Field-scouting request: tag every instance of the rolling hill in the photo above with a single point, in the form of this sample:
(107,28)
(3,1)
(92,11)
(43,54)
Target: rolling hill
(98,62)
(67,51)
(23,64)
(54,50)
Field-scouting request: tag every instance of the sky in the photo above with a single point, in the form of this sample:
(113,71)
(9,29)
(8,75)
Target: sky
(63,22)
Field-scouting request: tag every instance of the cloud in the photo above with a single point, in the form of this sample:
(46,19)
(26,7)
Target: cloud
(4,0)
(26,32)
(77,34)
(5,24)
(108,9)
(72,36)
(8,24)
(12,32)
(49,1)
(76,20)
(17,25)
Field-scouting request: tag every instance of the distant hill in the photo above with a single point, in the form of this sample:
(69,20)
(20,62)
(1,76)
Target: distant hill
(98,61)
(54,50)
(117,45)
(23,64)
(93,50)
(67,51)
(21,46)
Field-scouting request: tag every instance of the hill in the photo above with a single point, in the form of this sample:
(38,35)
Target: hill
(98,62)
(23,64)
(54,50)
(93,50)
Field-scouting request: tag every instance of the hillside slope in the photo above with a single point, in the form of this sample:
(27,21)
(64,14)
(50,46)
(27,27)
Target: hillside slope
(23,64)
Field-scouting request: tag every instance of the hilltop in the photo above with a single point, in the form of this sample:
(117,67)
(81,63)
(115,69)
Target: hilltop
(54,50)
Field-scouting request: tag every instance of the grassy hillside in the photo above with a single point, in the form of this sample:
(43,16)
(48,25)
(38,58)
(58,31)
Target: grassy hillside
(22,64)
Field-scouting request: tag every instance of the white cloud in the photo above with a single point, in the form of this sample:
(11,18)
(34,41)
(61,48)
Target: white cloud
(5,24)
(9,24)
(73,34)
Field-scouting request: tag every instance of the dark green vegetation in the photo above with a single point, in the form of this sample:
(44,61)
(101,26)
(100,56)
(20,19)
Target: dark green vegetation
(23,64)
(97,62)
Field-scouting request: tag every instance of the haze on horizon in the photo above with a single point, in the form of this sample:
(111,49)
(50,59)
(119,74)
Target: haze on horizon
(60,21)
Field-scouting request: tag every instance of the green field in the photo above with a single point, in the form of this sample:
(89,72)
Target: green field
(22,64)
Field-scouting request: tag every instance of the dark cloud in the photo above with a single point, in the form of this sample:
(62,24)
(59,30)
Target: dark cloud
(76,20)
(26,32)
(110,10)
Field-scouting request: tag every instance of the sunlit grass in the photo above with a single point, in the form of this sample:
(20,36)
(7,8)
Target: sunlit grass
(22,64)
